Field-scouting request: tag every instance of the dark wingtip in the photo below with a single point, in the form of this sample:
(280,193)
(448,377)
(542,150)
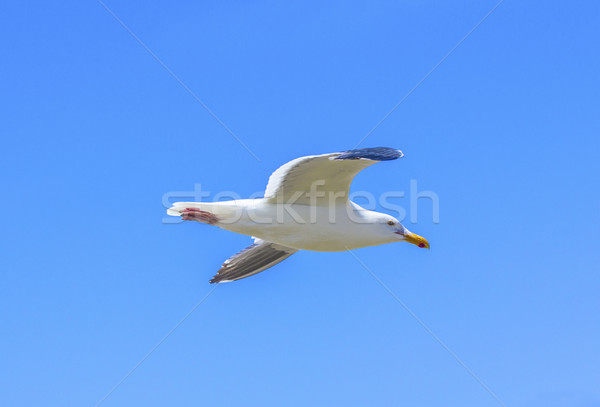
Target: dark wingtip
(372,153)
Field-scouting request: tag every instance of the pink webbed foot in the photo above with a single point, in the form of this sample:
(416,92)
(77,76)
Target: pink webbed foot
(199,216)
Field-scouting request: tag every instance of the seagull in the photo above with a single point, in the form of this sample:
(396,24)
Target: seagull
(305,207)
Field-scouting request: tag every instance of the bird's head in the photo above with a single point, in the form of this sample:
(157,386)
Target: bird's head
(404,234)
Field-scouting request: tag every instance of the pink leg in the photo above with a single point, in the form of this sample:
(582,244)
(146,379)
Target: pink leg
(198,215)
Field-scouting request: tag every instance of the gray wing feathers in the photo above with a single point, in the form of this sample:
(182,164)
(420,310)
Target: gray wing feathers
(253,259)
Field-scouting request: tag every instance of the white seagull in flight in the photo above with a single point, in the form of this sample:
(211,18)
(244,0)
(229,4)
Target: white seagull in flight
(305,207)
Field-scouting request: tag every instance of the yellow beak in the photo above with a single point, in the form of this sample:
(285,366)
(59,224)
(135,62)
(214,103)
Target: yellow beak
(416,240)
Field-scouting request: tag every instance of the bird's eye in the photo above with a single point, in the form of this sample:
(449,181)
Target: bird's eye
(390,222)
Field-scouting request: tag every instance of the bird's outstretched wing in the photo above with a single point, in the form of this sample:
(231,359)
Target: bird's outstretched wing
(316,179)
(253,259)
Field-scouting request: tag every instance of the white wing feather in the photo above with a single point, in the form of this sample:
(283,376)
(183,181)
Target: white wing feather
(314,179)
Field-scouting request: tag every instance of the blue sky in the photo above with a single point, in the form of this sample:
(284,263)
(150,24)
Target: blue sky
(95,133)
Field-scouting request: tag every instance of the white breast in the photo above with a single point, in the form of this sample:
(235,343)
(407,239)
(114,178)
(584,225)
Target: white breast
(320,228)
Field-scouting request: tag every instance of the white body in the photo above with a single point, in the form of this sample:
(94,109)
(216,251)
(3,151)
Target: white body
(332,228)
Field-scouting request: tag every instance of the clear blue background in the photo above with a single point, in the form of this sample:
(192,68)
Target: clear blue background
(95,132)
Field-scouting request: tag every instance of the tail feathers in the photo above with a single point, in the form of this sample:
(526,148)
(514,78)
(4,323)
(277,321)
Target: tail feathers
(222,209)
